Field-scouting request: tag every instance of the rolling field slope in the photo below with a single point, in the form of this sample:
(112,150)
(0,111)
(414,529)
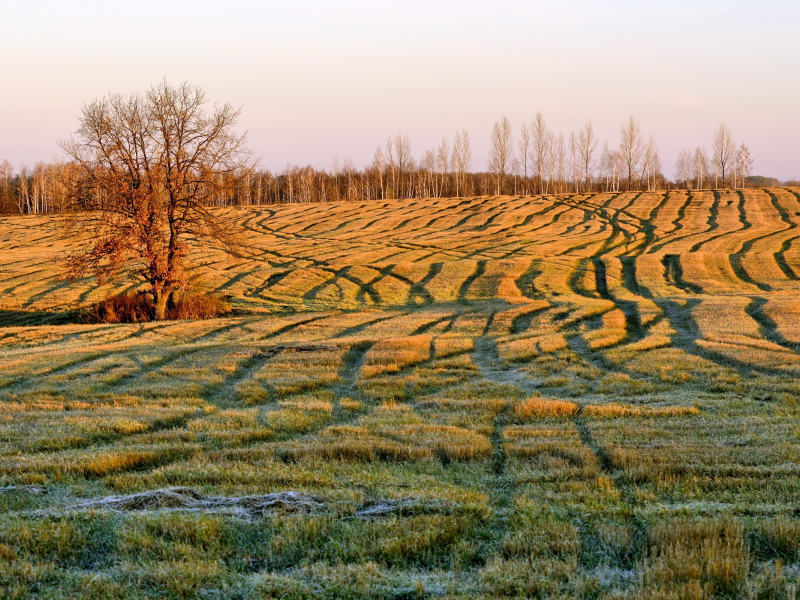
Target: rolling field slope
(588,396)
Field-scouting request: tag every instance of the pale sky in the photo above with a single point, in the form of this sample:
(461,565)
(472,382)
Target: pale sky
(318,79)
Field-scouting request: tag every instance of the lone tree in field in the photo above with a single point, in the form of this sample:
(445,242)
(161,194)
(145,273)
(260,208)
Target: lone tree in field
(149,166)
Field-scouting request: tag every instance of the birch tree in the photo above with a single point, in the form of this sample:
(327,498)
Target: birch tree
(462,159)
(587,145)
(701,164)
(524,150)
(501,151)
(631,149)
(683,168)
(542,141)
(723,152)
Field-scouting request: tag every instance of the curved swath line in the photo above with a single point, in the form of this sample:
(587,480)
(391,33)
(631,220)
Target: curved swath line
(157,364)
(36,297)
(382,274)
(688,332)
(364,289)
(673,274)
(530,242)
(736,258)
(402,279)
(588,216)
(648,228)
(567,206)
(273,279)
(613,221)
(425,327)
(513,234)
(345,221)
(780,259)
(480,269)
(766,326)
(25,380)
(713,213)
(677,225)
(236,279)
(313,292)
(630,309)
(356,329)
(292,326)
(257,227)
(244,370)
(418,289)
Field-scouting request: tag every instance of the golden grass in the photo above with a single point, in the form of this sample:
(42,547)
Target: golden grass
(612,409)
(532,408)
(388,353)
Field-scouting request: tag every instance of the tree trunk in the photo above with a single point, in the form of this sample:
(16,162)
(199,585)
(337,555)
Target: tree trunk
(160,298)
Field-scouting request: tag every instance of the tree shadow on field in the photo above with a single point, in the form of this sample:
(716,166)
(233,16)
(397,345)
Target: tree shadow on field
(33,318)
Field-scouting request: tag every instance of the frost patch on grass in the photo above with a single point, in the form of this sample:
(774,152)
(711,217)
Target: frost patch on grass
(402,507)
(187,499)
(23,489)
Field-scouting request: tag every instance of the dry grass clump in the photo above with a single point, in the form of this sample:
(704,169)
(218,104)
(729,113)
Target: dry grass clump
(355,447)
(302,369)
(449,443)
(139,307)
(534,537)
(105,463)
(622,384)
(776,539)
(612,409)
(487,406)
(393,355)
(351,405)
(696,559)
(299,417)
(449,345)
(537,407)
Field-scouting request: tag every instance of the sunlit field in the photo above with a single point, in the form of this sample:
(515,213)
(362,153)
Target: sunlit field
(586,396)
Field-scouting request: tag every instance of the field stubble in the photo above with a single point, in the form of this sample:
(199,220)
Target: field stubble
(585,396)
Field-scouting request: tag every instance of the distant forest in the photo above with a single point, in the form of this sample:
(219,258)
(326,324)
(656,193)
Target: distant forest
(533,161)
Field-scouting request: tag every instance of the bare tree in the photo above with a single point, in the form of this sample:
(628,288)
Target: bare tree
(575,161)
(462,159)
(631,149)
(607,164)
(401,163)
(700,166)
(555,163)
(501,152)
(723,152)
(683,168)
(148,166)
(542,140)
(649,160)
(587,145)
(443,163)
(524,148)
(6,173)
(744,164)
(23,191)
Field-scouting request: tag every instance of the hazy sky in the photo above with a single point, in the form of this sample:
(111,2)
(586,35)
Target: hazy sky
(321,78)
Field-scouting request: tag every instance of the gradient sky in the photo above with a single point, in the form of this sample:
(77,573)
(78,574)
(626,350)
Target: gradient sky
(318,79)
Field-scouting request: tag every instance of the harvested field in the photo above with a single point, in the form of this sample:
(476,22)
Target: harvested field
(589,396)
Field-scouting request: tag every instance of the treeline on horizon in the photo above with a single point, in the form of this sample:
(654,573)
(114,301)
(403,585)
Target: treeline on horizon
(533,161)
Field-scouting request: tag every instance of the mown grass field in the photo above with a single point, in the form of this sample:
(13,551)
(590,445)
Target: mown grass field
(589,396)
